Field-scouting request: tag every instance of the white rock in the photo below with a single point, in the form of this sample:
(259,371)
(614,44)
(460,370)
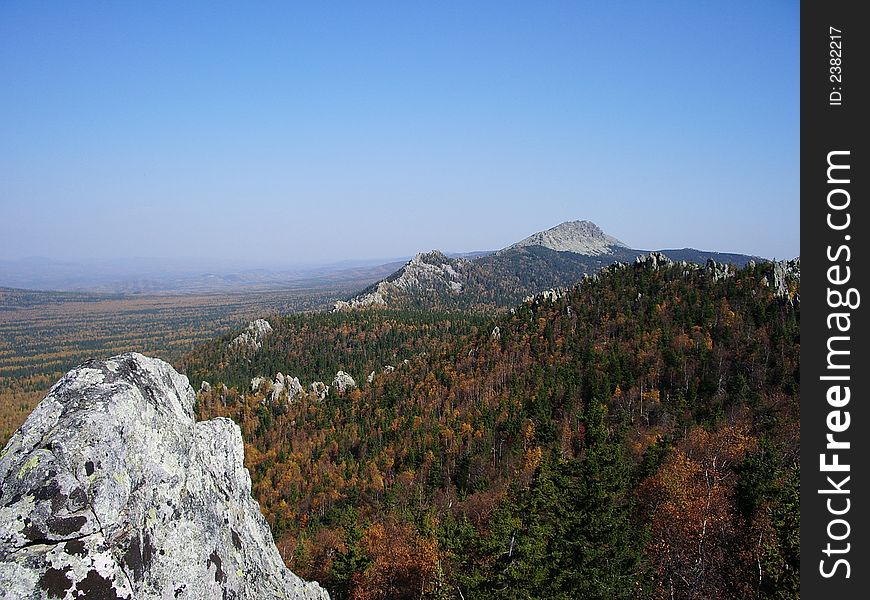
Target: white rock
(277,387)
(112,490)
(427,272)
(343,382)
(551,295)
(653,260)
(253,335)
(719,271)
(293,386)
(320,389)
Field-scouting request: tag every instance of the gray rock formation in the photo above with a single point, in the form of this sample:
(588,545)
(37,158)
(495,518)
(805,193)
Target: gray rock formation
(283,387)
(719,271)
(426,273)
(293,387)
(580,237)
(205,387)
(653,260)
(320,389)
(785,272)
(277,387)
(373,298)
(343,382)
(786,276)
(257,383)
(551,295)
(253,335)
(110,489)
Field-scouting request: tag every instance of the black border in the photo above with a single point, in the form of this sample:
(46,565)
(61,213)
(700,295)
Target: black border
(826,128)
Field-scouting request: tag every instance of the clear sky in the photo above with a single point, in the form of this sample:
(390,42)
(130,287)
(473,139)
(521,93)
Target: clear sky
(295,132)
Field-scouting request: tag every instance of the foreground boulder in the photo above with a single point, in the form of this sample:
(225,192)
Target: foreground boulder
(110,489)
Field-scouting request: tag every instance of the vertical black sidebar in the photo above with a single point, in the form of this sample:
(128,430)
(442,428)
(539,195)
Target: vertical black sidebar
(835,370)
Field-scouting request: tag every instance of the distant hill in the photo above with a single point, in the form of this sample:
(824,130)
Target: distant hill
(555,258)
(580,237)
(181,276)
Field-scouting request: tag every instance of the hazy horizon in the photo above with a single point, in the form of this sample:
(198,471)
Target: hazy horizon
(299,135)
(230,263)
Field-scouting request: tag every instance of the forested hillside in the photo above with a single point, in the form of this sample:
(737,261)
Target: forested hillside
(636,436)
(433,281)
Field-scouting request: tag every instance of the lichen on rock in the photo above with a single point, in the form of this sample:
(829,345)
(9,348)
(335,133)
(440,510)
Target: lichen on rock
(110,489)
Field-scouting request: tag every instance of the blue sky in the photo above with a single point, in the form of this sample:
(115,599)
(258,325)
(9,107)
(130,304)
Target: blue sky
(298,133)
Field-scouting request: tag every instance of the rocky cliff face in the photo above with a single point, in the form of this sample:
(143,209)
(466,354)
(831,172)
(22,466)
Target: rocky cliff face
(785,274)
(110,489)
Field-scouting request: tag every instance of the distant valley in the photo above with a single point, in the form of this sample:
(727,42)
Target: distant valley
(165,276)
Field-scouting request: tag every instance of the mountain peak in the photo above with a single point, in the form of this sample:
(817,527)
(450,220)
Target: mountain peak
(581,237)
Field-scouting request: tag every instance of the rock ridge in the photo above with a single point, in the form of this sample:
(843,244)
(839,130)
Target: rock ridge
(426,273)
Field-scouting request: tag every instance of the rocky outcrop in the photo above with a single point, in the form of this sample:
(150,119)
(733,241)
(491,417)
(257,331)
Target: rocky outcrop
(653,260)
(551,295)
(320,389)
(373,298)
(277,387)
(293,387)
(426,274)
(343,382)
(281,387)
(257,383)
(580,237)
(719,271)
(252,337)
(110,489)
(784,275)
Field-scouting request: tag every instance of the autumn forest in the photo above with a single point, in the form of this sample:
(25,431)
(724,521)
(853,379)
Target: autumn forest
(636,436)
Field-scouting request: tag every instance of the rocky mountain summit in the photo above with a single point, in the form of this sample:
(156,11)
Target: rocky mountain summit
(110,489)
(580,237)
